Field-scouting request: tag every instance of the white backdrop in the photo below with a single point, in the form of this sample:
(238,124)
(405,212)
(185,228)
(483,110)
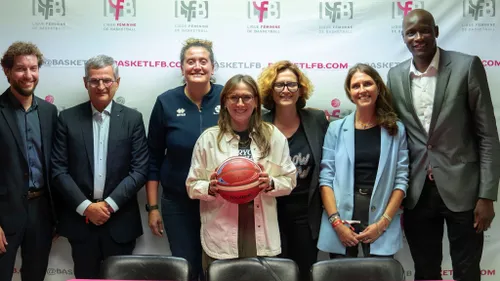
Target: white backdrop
(323,37)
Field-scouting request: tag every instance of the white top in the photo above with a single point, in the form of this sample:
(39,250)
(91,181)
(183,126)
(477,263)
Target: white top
(219,218)
(423,88)
(100,130)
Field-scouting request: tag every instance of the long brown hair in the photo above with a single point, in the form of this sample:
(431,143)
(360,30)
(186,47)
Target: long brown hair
(386,116)
(259,130)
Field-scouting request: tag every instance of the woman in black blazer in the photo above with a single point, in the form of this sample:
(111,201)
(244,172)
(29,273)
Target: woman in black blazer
(285,89)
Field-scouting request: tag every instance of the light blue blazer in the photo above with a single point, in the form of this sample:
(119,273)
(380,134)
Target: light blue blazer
(337,172)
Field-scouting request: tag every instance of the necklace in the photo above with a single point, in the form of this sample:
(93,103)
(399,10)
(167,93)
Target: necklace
(361,125)
(244,143)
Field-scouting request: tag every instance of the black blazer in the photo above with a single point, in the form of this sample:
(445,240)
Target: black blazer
(315,127)
(73,169)
(14,172)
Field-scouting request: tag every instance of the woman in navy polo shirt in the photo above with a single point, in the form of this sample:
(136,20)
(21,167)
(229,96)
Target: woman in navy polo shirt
(178,118)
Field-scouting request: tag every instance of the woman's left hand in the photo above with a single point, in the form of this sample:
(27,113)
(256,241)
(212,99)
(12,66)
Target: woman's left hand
(265,180)
(370,234)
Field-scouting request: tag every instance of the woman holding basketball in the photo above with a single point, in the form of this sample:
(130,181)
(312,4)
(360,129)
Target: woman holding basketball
(230,230)
(364,172)
(284,90)
(179,116)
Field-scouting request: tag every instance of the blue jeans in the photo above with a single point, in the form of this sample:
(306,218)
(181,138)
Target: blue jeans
(181,218)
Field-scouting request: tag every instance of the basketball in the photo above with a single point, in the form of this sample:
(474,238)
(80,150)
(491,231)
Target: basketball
(238,179)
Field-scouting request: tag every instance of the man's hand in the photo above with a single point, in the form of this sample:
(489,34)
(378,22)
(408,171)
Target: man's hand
(3,242)
(97,213)
(155,223)
(483,214)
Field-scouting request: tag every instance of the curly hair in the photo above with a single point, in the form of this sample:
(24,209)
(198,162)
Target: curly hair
(194,42)
(386,116)
(259,130)
(20,48)
(268,77)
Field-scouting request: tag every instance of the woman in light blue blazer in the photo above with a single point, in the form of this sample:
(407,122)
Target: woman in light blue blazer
(364,172)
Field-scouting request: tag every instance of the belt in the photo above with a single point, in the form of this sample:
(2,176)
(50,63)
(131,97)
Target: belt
(32,194)
(364,191)
(97,200)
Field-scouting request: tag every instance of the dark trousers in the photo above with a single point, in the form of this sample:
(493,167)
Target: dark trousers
(35,241)
(424,227)
(181,218)
(296,237)
(88,254)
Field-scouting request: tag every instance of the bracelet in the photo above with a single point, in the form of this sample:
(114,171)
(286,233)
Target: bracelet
(334,217)
(337,222)
(387,217)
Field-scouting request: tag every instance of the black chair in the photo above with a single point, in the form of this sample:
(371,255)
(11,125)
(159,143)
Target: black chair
(358,269)
(253,269)
(145,267)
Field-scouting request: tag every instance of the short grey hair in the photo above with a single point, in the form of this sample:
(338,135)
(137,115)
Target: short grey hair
(101,61)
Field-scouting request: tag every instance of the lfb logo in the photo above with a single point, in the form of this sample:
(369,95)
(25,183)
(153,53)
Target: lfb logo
(119,8)
(191,9)
(479,9)
(401,9)
(336,10)
(49,8)
(264,9)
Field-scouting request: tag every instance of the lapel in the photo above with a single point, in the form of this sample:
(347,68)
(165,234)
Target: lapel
(10,117)
(348,133)
(408,96)
(45,117)
(443,77)
(310,132)
(88,132)
(116,128)
(385,144)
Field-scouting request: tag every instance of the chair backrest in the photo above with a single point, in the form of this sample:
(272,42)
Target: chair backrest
(358,269)
(145,267)
(253,269)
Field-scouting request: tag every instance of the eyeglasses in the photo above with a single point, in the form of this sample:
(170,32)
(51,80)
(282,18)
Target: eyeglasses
(94,83)
(236,99)
(292,87)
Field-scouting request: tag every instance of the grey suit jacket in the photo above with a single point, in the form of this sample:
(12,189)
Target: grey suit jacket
(462,145)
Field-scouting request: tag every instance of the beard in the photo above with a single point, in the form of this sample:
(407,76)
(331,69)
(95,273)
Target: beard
(24,92)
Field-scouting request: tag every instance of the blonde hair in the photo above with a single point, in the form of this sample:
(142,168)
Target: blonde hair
(259,130)
(269,75)
(194,42)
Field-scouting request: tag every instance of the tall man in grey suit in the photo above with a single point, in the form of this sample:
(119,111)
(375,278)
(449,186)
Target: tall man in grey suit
(27,124)
(444,101)
(100,161)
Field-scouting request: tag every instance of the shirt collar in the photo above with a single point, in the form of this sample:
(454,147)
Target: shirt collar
(107,110)
(431,69)
(15,102)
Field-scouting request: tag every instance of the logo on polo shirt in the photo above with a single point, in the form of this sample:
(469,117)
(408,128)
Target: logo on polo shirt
(181,112)
(217,110)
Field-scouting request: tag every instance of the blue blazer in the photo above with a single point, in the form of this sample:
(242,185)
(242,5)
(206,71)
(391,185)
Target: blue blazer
(337,172)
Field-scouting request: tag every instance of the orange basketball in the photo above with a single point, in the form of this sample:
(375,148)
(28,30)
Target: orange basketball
(238,180)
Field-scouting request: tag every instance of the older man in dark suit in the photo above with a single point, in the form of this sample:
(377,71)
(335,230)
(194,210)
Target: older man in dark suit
(27,124)
(444,101)
(100,162)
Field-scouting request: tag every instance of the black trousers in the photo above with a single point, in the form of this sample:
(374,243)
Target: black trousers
(35,241)
(424,227)
(296,237)
(89,253)
(361,213)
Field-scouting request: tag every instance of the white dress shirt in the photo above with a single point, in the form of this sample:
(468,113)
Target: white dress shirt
(219,218)
(100,130)
(423,88)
